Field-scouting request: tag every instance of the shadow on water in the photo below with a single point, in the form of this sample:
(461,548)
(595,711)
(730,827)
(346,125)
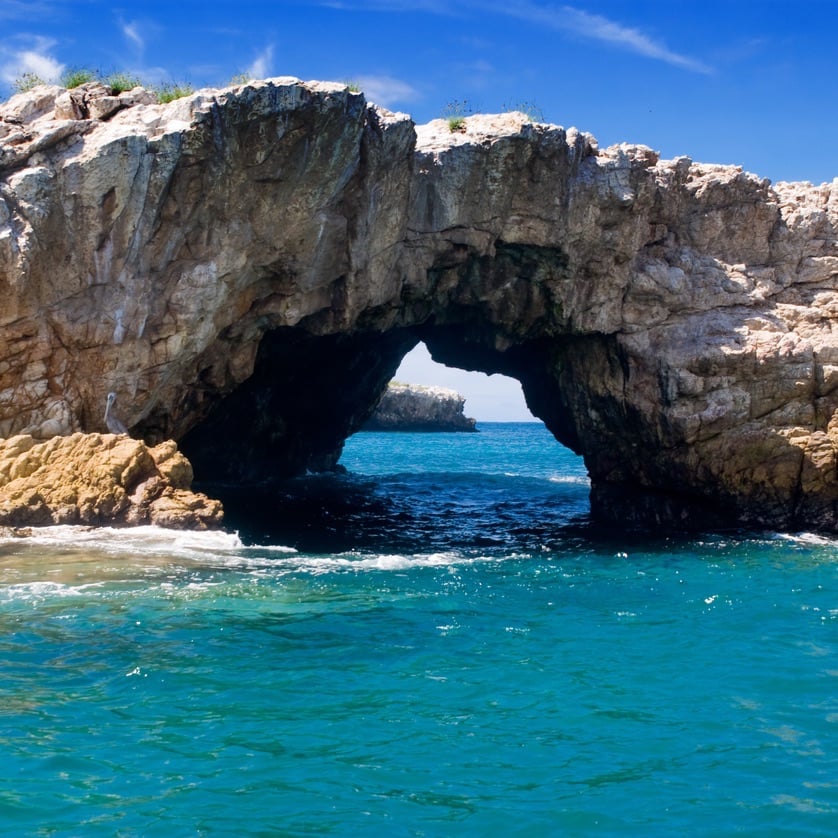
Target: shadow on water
(468,513)
(508,490)
(429,512)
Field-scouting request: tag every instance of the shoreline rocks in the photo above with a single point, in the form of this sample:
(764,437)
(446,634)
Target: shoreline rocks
(100,479)
(414,407)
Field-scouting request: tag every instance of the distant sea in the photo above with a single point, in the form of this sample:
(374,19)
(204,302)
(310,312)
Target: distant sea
(438,642)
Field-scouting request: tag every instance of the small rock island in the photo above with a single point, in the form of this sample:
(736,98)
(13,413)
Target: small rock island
(414,407)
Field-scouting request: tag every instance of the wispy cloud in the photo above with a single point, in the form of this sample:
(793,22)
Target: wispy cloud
(131,31)
(25,9)
(261,66)
(562,18)
(599,28)
(386,90)
(31,56)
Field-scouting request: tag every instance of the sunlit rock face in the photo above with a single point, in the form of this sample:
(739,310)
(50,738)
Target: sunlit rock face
(100,479)
(246,268)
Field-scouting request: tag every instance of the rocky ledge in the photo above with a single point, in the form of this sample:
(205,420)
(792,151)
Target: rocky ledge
(99,479)
(247,267)
(412,407)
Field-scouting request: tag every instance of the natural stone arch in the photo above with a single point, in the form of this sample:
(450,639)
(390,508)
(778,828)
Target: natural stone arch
(256,261)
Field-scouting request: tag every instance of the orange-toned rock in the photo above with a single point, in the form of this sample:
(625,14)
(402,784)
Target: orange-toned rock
(99,479)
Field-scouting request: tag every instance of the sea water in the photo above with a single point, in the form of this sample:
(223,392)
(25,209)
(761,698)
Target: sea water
(438,642)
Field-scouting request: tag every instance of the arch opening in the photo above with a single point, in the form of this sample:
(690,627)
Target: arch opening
(489,398)
(308,393)
(410,492)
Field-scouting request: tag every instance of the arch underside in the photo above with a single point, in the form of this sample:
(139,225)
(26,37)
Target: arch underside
(308,393)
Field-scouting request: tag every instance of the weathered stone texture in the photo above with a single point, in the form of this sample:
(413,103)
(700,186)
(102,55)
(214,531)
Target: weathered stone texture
(99,479)
(246,267)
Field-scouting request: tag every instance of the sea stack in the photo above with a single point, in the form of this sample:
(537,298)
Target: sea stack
(414,407)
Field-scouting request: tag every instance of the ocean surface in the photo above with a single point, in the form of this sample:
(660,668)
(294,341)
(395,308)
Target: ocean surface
(438,642)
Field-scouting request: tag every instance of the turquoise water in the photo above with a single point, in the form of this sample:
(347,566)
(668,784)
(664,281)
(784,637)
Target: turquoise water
(437,643)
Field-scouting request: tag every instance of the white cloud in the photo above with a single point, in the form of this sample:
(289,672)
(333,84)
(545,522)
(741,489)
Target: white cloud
(132,33)
(33,58)
(600,28)
(261,66)
(597,28)
(386,90)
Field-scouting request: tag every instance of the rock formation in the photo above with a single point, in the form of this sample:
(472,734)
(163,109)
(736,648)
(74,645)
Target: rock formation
(412,407)
(99,479)
(246,268)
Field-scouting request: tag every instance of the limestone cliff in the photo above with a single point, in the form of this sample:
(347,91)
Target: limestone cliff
(412,407)
(246,268)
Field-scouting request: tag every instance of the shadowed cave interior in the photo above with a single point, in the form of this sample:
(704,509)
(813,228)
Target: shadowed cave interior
(259,446)
(309,393)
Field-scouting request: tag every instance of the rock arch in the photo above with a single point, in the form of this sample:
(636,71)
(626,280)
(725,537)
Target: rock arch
(246,268)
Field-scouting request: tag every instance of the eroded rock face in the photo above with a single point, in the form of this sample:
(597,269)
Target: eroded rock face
(412,407)
(99,479)
(246,267)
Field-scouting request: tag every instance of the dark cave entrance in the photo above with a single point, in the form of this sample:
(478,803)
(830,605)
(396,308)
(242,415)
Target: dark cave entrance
(270,450)
(308,393)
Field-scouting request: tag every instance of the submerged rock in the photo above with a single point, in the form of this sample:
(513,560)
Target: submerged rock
(99,479)
(245,268)
(412,407)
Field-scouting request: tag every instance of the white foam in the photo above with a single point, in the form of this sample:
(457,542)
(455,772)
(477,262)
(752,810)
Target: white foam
(809,538)
(359,563)
(168,558)
(41,590)
(128,538)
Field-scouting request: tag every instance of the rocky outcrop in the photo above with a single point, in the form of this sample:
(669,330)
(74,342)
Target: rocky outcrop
(413,407)
(99,479)
(246,268)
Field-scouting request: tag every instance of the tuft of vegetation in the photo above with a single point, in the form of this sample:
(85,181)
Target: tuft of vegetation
(121,82)
(26,81)
(175,90)
(241,78)
(77,77)
(531,110)
(353,86)
(455,114)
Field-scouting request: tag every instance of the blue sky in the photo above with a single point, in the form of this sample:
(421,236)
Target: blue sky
(747,82)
